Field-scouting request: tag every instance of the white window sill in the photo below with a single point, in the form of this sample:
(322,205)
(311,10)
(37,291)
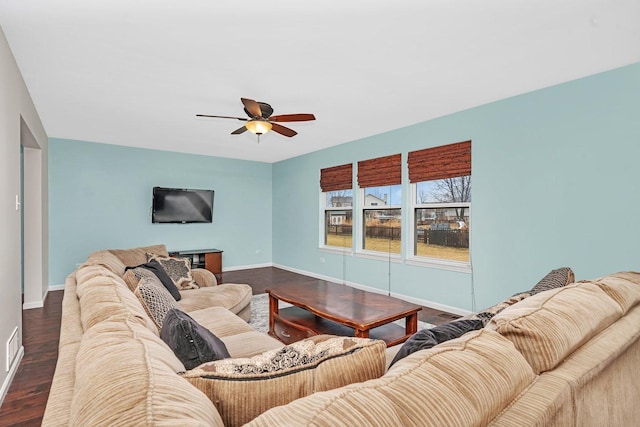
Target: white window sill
(381,256)
(462,267)
(336,250)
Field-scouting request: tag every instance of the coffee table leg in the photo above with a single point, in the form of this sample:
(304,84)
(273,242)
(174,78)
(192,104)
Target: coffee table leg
(411,324)
(362,333)
(273,310)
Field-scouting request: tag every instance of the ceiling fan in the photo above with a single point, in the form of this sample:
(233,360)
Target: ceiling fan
(261,121)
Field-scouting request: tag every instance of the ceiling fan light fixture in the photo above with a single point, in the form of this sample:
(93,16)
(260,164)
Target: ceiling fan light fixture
(259,127)
(260,119)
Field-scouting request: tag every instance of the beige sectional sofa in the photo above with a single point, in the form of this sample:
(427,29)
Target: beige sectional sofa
(563,357)
(113,368)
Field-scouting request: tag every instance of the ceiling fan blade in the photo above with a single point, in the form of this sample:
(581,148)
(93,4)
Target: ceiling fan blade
(222,117)
(252,107)
(239,130)
(292,117)
(283,130)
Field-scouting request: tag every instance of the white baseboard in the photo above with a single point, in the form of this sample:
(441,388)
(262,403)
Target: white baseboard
(419,301)
(33,304)
(36,304)
(56,287)
(12,373)
(246,267)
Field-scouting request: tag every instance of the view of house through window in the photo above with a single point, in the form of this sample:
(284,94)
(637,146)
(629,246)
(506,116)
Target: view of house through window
(442,212)
(382,218)
(338,218)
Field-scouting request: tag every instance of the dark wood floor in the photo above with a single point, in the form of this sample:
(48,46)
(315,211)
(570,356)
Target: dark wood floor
(28,393)
(25,402)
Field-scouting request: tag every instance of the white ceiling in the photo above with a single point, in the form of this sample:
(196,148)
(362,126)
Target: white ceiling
(136,72)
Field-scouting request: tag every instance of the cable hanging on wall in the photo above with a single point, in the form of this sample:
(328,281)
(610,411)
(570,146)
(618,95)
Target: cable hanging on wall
(389,264)
(344,260)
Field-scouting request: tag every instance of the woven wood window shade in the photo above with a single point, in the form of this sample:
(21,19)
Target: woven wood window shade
(381,171)
(446,161)
(336,178)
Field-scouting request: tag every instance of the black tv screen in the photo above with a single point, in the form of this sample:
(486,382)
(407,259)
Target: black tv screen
(181,206)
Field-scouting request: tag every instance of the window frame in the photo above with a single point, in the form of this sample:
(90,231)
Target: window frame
(323,224)
(412,258)
(360,246)
(332,179)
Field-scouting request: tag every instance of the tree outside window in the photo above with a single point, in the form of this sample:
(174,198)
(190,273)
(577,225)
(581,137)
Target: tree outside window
(442,212)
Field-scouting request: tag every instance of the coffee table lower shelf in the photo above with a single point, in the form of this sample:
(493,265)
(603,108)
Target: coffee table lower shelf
(293,324)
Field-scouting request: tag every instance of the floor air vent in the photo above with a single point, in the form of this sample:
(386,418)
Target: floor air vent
(12,348)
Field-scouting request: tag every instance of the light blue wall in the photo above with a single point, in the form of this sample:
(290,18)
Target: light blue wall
(100,198)
(555,183)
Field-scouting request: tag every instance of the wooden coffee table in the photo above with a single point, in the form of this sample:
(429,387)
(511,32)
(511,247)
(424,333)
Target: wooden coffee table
(329,308)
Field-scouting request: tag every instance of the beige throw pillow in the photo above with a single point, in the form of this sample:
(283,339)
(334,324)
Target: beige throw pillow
(243,388)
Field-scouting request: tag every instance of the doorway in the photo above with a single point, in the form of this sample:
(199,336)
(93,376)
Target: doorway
(32,213)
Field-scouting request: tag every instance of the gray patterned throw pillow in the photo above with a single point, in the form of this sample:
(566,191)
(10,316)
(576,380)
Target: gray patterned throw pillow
(178,269)
(155,298)
(554,279)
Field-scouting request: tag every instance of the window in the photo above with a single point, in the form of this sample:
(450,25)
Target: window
(338,218)
(382,224)
(441,184)
(337,202)
(381,193)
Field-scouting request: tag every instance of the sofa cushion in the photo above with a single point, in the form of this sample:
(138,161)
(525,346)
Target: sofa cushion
(155,299)
(428,338)
(137,256)
(192,343)
(87,272)
(203,277)
(549,326)
(243,388)
(486,314)
(623,287)
(554,279)
(232,296)
(240,339)
(125,375)
(178,269)
(467,381)
(108,260)
(104,298)
(220,321)
(248,344)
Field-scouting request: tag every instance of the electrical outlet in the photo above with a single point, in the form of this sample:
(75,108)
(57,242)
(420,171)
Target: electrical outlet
(258,251)
(322,260)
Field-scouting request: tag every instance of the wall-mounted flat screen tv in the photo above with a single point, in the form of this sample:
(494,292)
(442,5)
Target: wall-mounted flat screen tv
(181,206)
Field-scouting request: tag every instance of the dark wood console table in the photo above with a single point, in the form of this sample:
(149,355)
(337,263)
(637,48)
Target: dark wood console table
(209,259)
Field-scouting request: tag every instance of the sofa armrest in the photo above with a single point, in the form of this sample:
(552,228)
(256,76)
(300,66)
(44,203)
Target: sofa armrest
(204,278)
